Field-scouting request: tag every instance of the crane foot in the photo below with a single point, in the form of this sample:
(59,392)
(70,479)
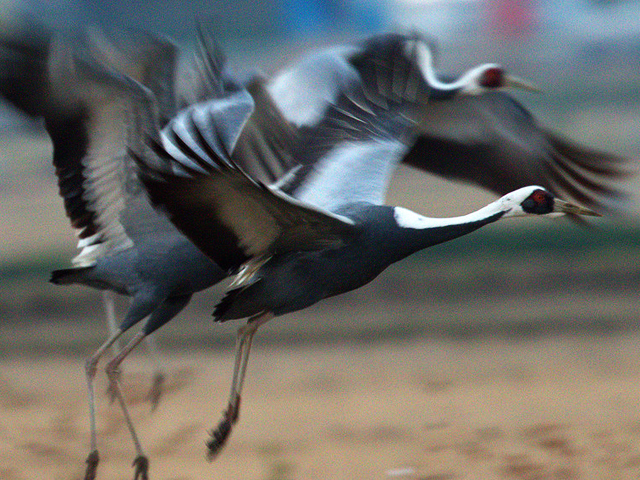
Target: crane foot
(218,438)
(220,435)
(141,464)
(92,465)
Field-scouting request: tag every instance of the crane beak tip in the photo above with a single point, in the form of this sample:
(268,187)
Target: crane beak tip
(511,81)
(569,208)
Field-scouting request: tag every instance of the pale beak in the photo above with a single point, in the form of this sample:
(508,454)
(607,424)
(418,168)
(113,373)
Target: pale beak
(560,206)
(511,81)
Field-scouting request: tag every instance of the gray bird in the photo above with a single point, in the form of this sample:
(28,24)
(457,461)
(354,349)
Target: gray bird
(484,137)
(126,246)
(321,231)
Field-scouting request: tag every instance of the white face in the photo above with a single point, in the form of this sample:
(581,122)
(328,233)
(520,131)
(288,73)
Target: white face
(512,202)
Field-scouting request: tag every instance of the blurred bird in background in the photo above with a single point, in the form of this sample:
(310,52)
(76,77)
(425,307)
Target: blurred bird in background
(126,246)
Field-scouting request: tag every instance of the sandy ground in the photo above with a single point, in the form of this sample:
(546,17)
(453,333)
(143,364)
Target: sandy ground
(548,408)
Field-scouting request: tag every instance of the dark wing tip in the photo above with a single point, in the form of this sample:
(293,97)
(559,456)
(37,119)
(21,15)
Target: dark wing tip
(588,175)
(23,70)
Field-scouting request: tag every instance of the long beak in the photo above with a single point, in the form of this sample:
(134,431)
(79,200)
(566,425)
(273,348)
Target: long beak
(511,81)
(561,206)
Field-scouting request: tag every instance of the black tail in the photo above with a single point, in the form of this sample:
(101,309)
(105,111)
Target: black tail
(68,276)
(223,306)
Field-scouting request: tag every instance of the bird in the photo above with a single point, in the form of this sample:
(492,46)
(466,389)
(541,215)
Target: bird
(484,137)
(323,229)
(126,246)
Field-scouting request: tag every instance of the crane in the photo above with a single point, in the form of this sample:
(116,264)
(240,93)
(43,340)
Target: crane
(321,231)
(485,137)
(126,246)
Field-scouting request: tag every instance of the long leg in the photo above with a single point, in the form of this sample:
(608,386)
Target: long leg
(169,309)
(140,307)
(155,392)
(230,416)
(141,463)
(90,372)
(109,302)
(165,312)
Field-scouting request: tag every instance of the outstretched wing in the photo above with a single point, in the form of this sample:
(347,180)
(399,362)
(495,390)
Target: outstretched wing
(489,140)
(351,153)
(86,128)
(91,121)
(228,215)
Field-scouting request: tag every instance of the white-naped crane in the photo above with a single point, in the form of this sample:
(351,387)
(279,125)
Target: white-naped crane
(326,231)
(484,137)
(126,246)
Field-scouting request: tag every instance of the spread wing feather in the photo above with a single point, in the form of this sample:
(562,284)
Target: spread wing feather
(492,141)
(91,122)
(227,214)
(489,140)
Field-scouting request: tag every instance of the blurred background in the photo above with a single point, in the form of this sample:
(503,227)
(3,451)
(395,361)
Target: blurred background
(519,278)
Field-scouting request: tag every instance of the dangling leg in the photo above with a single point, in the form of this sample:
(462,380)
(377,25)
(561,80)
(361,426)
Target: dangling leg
(141,462)
(230,417)
(140,308)
(158,372)
(168,309)
(108,300)
(90,367)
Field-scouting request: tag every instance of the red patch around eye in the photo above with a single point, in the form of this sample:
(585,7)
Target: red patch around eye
(539,197)
(492,78)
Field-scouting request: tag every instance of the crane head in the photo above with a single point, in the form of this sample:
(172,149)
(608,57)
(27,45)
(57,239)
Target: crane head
(491,76)
(535,200)
(480,79)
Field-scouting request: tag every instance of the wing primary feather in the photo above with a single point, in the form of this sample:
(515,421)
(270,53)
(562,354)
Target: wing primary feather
(204,144)
(599,163)
(189,151)
(571,189)
(580,178)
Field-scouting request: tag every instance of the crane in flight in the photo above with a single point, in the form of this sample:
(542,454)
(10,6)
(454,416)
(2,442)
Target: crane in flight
(323,229)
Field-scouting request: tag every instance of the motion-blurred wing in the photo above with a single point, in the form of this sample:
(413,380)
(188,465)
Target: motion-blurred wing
(87,121)
(304,91)
(150,59)
(490,140)
(229,216)
(350,157)
(265,145)
(351,154)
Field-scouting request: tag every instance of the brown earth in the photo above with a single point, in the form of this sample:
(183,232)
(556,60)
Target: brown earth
(548,408)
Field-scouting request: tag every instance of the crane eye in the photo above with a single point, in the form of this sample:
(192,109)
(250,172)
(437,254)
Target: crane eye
(492,78)
(539,197)
(539,202)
